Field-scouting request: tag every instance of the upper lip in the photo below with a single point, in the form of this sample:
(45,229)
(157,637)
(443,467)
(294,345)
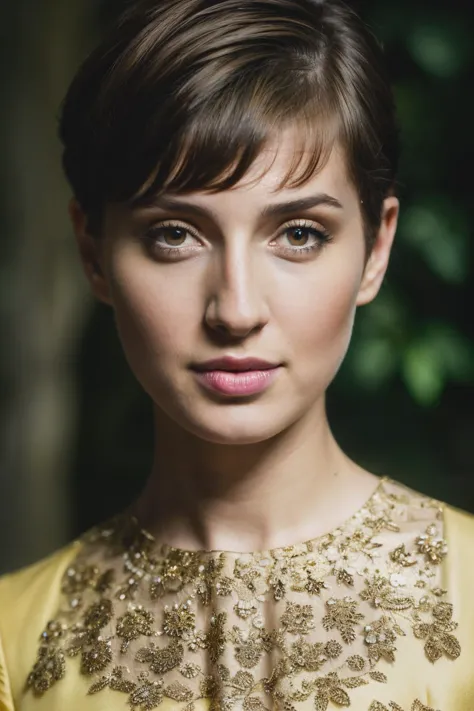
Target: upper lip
(235,364)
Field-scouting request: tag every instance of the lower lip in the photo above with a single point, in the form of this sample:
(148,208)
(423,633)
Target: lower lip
(231,383)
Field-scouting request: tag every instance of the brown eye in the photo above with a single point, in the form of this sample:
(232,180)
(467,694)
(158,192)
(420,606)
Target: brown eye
(301,238)
(171,240)
(298,236)
(172,236)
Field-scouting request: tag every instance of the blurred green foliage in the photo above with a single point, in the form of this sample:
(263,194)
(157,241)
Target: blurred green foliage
(403,401)
(405,333)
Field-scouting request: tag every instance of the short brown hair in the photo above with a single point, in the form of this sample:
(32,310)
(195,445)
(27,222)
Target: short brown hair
(182,95)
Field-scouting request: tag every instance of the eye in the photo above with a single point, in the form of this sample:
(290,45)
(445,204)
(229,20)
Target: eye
(304,236)
(171,238)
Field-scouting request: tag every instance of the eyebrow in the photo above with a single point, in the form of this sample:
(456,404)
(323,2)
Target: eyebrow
(275,210)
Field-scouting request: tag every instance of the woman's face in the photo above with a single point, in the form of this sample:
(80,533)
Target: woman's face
(228,275)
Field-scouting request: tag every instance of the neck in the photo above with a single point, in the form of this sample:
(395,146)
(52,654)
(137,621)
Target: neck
(289,488)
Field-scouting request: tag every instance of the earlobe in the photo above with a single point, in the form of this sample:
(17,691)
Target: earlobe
(89,252)
(377,263)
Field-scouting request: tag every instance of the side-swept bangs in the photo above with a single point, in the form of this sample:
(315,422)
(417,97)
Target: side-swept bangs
(183,96)
(223,139)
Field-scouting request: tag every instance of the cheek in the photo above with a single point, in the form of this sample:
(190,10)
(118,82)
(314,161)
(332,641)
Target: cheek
(151,317)
(159,317)
(319,323)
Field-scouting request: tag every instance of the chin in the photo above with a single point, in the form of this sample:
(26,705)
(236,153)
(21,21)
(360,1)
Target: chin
(232,439)
(232,428)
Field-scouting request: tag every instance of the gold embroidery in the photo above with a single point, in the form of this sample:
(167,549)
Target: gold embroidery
(133,624)
(343,615)
(392,706)
(148,694)
(254,630)
(49,668)
(97,658)
(329,688)
(439,639)
(298,619)
(356,662)
(159,660)
(400,555)
(115,681)
(178,620)
(380,593)
(431,545)
(379,638)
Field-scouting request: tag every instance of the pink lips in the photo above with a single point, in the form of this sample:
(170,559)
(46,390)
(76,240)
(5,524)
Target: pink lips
(247,382)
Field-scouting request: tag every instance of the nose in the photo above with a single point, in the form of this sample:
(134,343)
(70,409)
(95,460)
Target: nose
(236,304)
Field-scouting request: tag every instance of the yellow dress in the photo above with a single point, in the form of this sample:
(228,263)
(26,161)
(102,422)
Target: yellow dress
(376,616)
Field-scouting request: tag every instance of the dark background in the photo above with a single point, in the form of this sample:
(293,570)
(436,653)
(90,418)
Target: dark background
(75,428)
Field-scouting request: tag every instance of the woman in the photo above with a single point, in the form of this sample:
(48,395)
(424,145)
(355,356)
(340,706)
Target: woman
(233,166)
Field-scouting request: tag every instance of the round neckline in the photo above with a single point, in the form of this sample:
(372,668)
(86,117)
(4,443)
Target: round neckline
(309,544)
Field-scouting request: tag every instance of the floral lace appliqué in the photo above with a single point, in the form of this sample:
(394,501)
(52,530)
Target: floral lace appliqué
(305,624)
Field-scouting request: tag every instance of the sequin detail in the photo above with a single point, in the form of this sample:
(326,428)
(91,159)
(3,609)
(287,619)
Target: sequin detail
(392,706)
(306,625)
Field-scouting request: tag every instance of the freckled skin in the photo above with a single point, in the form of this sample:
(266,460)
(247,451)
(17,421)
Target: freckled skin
(236,293)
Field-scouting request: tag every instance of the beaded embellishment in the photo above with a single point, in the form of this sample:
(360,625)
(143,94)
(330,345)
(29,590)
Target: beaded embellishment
(303,626)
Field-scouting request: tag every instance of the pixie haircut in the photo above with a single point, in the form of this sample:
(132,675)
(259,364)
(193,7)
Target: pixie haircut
(183,95)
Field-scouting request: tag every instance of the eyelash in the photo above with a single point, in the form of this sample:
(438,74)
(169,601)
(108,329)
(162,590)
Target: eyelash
(323,237)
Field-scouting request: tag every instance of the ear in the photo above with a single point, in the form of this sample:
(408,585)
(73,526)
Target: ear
(90,249)
(377,263)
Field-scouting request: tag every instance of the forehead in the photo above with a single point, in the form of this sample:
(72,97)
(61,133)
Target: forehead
(266,175)
(261,187)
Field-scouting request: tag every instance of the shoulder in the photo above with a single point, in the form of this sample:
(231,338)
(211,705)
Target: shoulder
(442,533)
(34,583)
(28,600)
(448,541)
(458,522)
(454,524)
(459,535)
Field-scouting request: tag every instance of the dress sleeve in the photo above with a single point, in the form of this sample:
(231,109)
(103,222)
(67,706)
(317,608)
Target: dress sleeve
(6,700)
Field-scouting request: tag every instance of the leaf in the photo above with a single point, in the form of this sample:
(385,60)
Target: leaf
(144,655)
(252,703)
(422,630)
(433,650)
(378,676)
(123,685)
(377,706)
(243,680)
(321,701)
(396,628)
(178,692)
(450,645)
(99,685)
(418,706)
(348,635)
(339,696)
(389,655)
(73,650)
(352,682)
